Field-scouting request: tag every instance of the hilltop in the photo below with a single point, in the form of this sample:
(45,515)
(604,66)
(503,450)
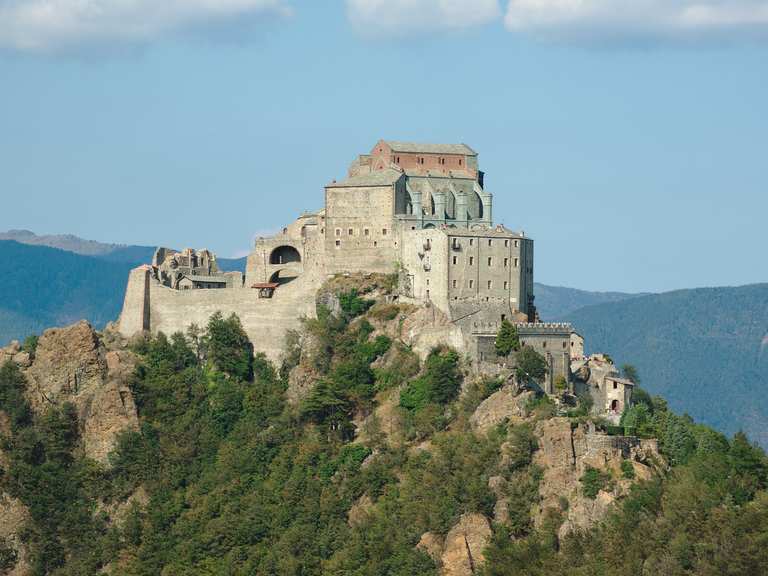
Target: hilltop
(358,454)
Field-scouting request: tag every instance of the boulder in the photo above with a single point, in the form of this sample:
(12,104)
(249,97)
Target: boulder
(464,545)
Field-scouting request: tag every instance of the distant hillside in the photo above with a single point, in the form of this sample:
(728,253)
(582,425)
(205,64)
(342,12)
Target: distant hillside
(556,302)
(705,350)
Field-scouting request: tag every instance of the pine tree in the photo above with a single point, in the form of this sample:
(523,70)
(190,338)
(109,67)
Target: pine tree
(507,340)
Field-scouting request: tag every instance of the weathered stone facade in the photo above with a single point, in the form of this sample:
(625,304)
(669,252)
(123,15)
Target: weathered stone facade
(419,210)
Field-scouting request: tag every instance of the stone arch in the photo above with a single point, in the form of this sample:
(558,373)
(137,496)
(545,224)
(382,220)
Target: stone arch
(284,255)
(283,276)
(430,225)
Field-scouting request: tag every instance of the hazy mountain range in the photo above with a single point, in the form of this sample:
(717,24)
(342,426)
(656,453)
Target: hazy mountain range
(706,350)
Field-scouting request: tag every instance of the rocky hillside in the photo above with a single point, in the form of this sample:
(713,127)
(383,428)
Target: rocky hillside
(373,449)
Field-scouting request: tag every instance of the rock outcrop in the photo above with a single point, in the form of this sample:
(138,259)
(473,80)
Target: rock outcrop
(503,405)
(72,365)
(13,518)
(565,453)
(14,353)
(464,544)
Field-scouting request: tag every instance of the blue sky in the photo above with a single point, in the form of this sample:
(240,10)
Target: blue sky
(630,139)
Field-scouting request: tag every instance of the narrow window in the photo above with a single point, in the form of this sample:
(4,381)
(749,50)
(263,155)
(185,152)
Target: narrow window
(503,317)
(517,243)
(427,281)
(383,231)
(490,284)
(471,283)
(338,231)
(338,243)
(564,346)
(367,232)
(427,294)
(454,283)
(490,242)
(544,344)
(506,243)
(375,243)
(350,231)
(516,261)
(506,285)
(506,262)
(490,261)
(459,161)
(615,385)
(471,260)
(455,260)
(471,241)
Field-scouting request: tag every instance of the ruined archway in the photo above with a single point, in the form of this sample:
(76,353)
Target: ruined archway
(284,255)
(283,277)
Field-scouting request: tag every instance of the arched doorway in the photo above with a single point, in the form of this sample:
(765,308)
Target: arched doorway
(615,405)
(284,255)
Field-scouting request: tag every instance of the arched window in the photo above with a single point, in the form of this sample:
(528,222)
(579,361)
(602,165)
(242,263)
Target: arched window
(284,255)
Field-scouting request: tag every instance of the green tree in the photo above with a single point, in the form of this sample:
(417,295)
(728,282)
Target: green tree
(530,365)
(228,347)
(507,339)
(630,373)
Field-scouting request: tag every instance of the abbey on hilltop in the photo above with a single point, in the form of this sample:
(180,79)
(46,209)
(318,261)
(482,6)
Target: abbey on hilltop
(418,210)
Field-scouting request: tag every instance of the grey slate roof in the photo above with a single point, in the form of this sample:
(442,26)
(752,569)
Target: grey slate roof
(415,147)
(385,177)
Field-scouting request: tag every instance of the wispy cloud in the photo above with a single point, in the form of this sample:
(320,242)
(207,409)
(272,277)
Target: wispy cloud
(399,17)
(53,25)
(671,20)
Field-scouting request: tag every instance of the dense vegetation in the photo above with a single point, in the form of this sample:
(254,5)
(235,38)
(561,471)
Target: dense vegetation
(703,350)
(239,482)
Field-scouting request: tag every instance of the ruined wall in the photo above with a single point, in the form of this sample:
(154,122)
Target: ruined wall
(135,315)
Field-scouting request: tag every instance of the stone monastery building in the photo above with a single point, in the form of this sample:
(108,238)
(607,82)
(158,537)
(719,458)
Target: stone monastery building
(421,210)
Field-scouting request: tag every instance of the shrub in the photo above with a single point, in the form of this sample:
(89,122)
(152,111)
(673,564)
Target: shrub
(439,383)
(228,348)
(593,481)
(627,470)
(352,305)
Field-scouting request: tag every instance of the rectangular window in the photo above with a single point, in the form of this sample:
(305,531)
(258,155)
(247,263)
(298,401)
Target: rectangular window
(516,262)
(506,243)
(338,243)
(350,231)
(471,241)
(490,284)
(455,260)
(506,285)
(490,261)
(338,231)
(454,283)
(490,242)
(427,281)
(471,260)
(517,243)
(383,231)
(506,262)
(471,283)
(367,232)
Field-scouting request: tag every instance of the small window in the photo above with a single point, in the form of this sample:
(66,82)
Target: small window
(471,260)
(490,242)
(459,161)
(471,283)
(506,262)
(615,385)
(490,284)
(367,232)
(375,243)
(455,260)
(490,261)
(471,241)
(454,283)
(564,346)
(427,294)
(506,285)
(350,231)
(506,243)
(544,344)
(517,243)
(427,281)
(383,231)
(516,262)
(503,317)
(338,231)
(338,243)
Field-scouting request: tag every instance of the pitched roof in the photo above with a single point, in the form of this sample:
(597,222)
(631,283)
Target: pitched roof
(415,147)
(384,177)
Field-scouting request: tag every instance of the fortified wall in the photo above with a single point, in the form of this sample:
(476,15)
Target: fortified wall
(418,210)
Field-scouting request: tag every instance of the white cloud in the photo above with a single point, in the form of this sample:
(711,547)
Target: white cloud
(396,17)
(50,25)
(639,19)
